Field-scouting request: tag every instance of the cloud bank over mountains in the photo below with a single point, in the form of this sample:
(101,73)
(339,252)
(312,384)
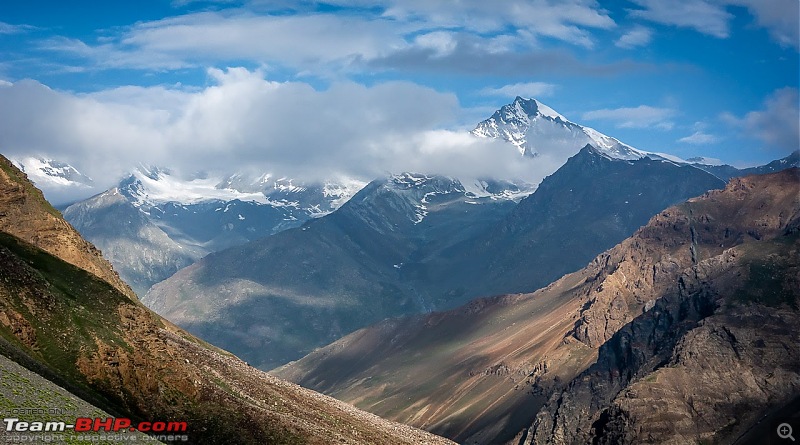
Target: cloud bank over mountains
(242,119)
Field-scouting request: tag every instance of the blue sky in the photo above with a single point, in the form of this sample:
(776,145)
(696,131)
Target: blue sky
(349,82)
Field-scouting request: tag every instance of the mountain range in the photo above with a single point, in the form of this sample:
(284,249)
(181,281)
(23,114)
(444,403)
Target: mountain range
(415,243)
(275,299)
(682,333)
(155,222)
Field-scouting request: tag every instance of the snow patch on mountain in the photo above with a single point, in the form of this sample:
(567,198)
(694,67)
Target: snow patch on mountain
(149,186)
(495,189)
(338,192)
(43,172)
(546,111)
(429,193)
(60,182)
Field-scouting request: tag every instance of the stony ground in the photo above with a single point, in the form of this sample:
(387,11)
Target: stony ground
(31,398)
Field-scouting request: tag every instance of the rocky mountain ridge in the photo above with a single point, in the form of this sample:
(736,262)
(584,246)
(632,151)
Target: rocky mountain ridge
(333,274)
(724,318)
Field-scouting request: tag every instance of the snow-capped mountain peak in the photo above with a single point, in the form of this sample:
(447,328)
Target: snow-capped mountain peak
(536,129)
(44,172)
(529,108)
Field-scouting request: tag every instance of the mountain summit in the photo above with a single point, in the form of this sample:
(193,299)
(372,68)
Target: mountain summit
(536,129)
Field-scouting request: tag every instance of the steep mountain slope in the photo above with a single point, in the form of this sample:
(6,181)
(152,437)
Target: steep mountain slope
(656,309)
(717,353)
(333,275)
(80,332)
(155,222)
(28,216)
(588,205)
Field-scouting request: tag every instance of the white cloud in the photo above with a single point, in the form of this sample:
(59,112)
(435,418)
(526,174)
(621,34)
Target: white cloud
(779,17)
(776,125)
(8,28)
(643,116)
(526,89)
(243,119)
(208,37)
(441,42)
(699,138)
(568,21)
(308,39)
(638,36)
(705,16)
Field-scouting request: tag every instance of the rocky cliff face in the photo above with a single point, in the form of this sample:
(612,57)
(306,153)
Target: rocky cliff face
(707,351)
(642,268)
(25,214)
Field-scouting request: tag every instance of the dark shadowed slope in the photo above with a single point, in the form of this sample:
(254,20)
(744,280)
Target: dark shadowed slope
(590,204)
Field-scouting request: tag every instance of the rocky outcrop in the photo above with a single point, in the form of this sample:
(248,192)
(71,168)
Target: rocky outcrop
(716,350)
(25,214)
(643,267)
